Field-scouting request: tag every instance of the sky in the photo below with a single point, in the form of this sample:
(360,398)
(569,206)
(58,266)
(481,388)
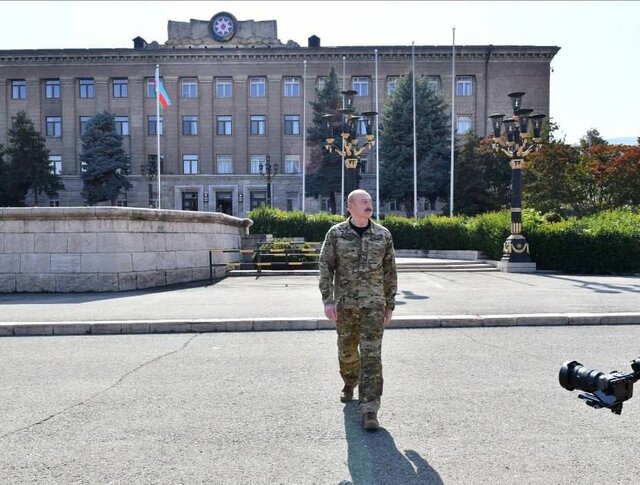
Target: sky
(597,61)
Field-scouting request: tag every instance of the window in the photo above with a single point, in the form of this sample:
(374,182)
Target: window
(190,164)
(19,89)
(256,161)
(361,127)
(322,82)
(190,125)
(291,87)
(464,86)
(54,202)
(324,204)
(434,83)
(224,88)
(291,124)
(225,164)
(292,201)
(463,124)
(122,200)
(120,88)
(392,84)
(152,161)
(362,166)
(52,89)
(152,125)
(151,87)
(291,164)
(223,125)
(257,198)
(122,125)
(258,87)
(361,86)
(55,163)
(87,88)
(190,88)
(53,126)
(84,122)
(258,124)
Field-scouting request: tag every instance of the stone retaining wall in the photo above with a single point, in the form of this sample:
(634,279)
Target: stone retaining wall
(79,249)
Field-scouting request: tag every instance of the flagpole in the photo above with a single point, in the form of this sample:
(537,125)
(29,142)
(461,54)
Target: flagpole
(453,116)
(415,141)
(158,131)
(304,131)
(377,144)
(344,80)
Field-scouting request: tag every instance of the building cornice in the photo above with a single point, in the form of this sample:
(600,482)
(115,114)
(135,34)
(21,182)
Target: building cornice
(178,55)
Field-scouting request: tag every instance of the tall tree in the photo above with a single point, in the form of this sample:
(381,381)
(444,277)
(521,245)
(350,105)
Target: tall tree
(556,180)
(396,140)
(482,177)
(28,170)
(105,162)
(324,169)
(592,138)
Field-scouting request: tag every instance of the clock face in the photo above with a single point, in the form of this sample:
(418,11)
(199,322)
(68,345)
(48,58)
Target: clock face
(223,26)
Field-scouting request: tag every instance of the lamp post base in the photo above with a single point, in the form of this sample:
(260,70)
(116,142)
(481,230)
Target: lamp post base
(515,257)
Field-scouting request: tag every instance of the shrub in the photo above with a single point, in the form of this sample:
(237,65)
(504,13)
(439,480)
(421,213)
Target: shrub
(605,243)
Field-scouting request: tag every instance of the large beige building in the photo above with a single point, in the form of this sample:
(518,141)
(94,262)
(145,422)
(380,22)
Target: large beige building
(238,95)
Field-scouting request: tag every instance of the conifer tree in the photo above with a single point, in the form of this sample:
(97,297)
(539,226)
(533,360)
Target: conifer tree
(324,169)
(105,162)
(27,170)
(396,144)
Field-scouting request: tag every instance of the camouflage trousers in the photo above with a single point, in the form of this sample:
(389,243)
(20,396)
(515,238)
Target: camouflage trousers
(360,352)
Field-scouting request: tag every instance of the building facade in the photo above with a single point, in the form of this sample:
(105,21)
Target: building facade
(238,96)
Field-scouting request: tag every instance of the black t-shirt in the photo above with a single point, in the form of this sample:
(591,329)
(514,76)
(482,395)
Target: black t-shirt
(360,230)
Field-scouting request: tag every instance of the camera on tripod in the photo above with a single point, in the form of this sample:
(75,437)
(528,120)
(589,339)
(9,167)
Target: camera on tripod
(602,390)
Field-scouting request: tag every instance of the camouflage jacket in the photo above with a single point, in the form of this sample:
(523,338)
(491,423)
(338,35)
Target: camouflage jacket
(358,272)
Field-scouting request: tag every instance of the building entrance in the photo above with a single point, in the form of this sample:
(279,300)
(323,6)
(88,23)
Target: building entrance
(224,202)
(189,201)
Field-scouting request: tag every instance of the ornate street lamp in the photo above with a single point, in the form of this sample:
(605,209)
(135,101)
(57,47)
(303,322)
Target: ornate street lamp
(268,171)
(351,125)
(517,143)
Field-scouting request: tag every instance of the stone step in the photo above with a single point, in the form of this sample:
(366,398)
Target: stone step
(403,265)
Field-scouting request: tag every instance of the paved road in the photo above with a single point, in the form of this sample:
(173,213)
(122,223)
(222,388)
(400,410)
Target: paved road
(293,302)
(461,406)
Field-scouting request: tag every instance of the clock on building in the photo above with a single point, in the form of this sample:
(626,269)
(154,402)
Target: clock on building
(223,26)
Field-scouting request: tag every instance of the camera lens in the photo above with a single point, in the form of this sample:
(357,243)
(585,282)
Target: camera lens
(573,375)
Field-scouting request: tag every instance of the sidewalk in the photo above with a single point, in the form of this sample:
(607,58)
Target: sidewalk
(425,299)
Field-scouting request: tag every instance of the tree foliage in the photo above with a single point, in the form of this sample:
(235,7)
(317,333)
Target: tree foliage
(482,177)
(579,180)
(324,171)
(396,143)
(105,162)
(27,169)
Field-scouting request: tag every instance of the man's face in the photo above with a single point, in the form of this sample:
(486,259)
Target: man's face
(361,206)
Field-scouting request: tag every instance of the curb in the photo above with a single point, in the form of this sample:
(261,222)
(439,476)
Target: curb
(128,327)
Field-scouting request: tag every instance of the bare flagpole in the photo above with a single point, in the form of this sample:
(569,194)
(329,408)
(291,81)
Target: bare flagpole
(415,141)
(377,144)
(159,206)
(344,81)
(453,119)
(304,132)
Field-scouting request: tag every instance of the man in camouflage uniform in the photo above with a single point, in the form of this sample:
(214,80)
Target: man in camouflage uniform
(358,282)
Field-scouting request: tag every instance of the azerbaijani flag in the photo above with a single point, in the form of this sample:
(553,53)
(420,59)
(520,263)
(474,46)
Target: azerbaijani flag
(161,94)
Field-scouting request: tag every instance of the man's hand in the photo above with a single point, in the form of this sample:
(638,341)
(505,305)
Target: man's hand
(387,317)
(330,312)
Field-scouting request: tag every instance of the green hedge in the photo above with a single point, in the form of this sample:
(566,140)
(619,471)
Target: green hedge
(606,243)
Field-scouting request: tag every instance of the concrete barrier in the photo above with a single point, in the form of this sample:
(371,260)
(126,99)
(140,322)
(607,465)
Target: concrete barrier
(81,249)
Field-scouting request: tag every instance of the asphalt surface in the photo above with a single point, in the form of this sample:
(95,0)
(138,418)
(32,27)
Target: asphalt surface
(460,406)
(425,299)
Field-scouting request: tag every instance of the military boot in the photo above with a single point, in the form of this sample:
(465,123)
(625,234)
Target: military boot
(370,421)
(346,394)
